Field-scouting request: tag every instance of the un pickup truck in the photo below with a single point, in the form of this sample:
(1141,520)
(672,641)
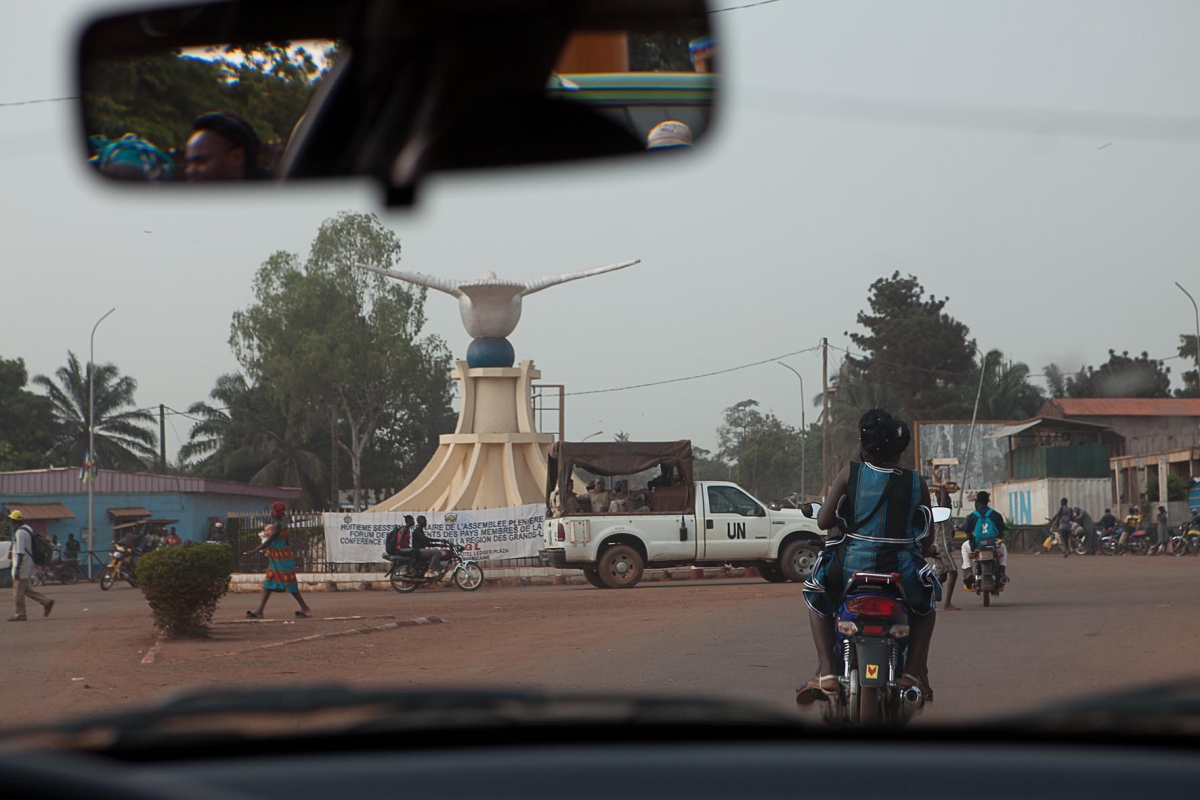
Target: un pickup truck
(680,521)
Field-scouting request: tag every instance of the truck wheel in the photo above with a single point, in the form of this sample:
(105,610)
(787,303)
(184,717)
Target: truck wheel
(620,567)
(798,560)
(593,577)
(772,574)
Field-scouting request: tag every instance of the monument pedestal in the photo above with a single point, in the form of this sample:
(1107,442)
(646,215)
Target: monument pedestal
(495,457)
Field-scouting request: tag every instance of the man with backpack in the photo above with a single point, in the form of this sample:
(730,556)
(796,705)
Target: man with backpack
(399,540)
(983,527)
(28,549)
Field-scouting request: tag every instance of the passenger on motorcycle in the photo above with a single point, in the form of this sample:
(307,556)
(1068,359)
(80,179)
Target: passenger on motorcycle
(1133,523)
(399,541)
(883,518)
(984,527)
(1108,522)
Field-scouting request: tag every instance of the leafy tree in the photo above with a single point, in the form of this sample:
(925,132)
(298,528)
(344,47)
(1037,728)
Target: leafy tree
(1176,493)
(157,97)
(914,350)
(332,343)
(1120,376)
(851,394)
(1007,392)
(707,466)
(661,52)
(125,437)
(1187,351)
(27,426)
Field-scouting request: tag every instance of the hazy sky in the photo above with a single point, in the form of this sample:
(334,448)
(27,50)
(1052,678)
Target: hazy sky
(1035,161)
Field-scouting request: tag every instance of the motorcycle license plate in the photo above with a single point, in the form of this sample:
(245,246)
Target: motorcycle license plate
(873,664)
(987,555)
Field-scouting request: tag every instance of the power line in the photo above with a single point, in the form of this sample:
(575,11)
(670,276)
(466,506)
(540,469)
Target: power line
(36,101)
(695,377)
(739,8)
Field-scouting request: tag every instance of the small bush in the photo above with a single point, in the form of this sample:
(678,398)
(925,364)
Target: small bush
(184,584)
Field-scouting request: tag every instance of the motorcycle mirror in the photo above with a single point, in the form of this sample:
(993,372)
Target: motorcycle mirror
(816,509)
(941,514)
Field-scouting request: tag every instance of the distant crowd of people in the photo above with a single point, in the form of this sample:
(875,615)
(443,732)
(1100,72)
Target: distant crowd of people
(622,499)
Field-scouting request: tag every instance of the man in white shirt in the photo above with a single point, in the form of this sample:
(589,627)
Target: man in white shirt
(22,568)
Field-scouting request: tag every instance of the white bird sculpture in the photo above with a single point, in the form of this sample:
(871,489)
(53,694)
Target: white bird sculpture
(491,306)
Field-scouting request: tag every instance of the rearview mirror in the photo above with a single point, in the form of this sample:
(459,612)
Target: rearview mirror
(254,90)
(941,514)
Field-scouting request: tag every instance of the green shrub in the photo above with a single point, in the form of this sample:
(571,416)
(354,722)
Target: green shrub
(184,584)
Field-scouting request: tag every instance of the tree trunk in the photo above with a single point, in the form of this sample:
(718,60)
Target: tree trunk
(334,474)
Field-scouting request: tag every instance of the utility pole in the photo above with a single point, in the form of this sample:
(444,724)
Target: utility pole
(91,453)
(803,430)
(162,438)
(824,418)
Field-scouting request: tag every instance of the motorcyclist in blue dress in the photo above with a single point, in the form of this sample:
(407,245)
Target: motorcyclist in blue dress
(883,520)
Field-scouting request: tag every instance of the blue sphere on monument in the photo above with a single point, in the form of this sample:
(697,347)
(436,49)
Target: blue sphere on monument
(489,351)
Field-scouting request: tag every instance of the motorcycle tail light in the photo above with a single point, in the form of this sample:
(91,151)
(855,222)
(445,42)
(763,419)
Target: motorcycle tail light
(562,533)
(900,631)
(846,628)
(874,630)
(873,605)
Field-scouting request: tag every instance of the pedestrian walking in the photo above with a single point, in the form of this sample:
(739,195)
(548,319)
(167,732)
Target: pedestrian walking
(22,559)
(281,565)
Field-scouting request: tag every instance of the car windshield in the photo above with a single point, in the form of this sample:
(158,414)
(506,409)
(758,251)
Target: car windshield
(927,253)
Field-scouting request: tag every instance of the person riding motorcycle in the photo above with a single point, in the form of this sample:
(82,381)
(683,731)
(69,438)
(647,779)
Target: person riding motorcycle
(984,526)
(427,547)
(883,517)
(1133,522)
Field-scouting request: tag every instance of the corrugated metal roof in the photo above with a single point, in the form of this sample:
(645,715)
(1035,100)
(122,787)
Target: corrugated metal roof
(1012,430)
(42,510)
(65,480)
(1124,407)
(1053,423)
(128,513)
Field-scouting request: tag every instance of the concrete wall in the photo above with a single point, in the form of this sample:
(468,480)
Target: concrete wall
(949,440)
(1148,435)
(192,511)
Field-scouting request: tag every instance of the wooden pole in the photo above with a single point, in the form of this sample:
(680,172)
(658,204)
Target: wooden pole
(162,438)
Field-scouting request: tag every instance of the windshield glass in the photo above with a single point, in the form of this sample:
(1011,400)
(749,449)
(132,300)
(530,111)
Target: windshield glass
(225,445)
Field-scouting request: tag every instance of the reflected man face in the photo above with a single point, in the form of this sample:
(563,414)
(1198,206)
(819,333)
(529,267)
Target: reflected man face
(212,157)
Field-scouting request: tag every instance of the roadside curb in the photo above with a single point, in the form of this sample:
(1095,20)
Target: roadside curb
(501,577)
(316,637)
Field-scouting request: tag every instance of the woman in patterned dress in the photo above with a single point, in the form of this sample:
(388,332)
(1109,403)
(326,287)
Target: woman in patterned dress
(882,515)
(281,567)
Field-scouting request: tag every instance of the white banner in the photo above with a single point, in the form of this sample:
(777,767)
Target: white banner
(491,534)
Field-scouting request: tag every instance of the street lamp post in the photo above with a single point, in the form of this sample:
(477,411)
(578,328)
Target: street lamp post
(590,435)
(803,430)
(92,435)
(1196,310)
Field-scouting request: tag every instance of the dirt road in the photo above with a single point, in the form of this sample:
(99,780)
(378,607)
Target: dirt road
(1065,627)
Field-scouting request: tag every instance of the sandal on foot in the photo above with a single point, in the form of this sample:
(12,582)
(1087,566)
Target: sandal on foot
(304,614)
(254,615)
(822,686)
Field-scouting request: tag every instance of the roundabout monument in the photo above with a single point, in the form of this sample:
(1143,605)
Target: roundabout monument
(496,457)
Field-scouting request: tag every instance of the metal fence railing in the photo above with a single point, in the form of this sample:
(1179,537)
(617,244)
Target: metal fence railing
(306,536)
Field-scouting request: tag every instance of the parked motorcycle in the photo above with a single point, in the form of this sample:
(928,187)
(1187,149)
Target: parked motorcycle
(1184,541)
(1138,543)
(988,581)
(120,567)
(64,572)
(407,572)
(872,625)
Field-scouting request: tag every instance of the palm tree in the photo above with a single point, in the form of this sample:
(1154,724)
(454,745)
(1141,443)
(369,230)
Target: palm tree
(851,394)
(122,441)
(243,436)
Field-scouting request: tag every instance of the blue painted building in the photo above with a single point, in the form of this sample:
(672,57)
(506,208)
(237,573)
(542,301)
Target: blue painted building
(55,501)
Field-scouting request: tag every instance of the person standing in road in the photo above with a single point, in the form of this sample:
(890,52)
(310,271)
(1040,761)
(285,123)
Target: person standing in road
(1085,521)
(1062,524)
(281,566)
(21,556)
(1164,529)
(71,550)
